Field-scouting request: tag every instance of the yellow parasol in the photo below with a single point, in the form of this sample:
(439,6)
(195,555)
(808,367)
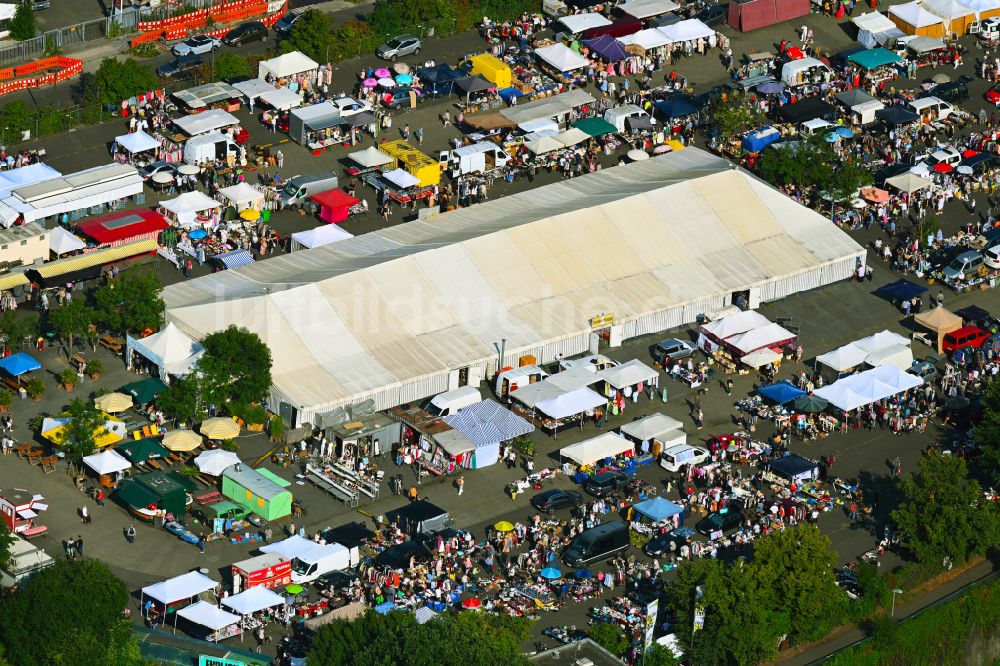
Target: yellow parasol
(219,428)
(182,440)
(113,402)
(504,526)
(250,215)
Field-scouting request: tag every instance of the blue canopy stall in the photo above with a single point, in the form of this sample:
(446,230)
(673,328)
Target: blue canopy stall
(659,509)
(780,392)
(754,142)
(234,258)
(486,424)
(607,47)
(900,290)
(438,80)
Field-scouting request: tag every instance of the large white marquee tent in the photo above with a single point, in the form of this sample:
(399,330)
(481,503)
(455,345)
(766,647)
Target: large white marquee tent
(392,315)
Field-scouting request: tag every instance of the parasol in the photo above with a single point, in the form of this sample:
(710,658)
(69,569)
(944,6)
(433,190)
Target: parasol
(294,588)
(471,603)
(250,215)
(770,88)
(182,440)
(844,132)
(219,428)
(809,404)
(386,82)
(162,177)
(504,526)
(940,78)
(875,194)
(188,170)
(583,574)
(113,402)
(551,573)
(401,68)
(381,72)
(404,79)
(965,170)
(197,234)
(369,83)
(637,155)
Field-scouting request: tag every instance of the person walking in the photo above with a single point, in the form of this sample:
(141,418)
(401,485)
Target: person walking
(201,543)
(460,484)
(79,546)
(699,419)
(84,515)
(130,534)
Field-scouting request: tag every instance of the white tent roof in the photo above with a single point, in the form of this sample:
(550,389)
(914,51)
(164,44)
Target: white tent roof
(137,142)
(685,31)
(530,395)
(579,22)
(180,587)
(254,88)
(61,241)
(107,462)
(649,38)
(873,22)
(908,182)
(574,378)
(288,64)
(978,6)
(727,327)
(514,258)
(645,8)
(401,178)
(597,448)
(424,615)
(190,202)
(898,355)
(208,615)
(51,196)
(207,121)
(29,174)
(282,98)
(867,387)
(568,404)
(542,145)
(571,137)
(215,461)
(653,426)
(371,157)
(843,358)
(320,236)
(881,340)
(561,57)
(291,547)
(170,349)
(547,107)
(755,359)
(242,193)
(253,599)
(947,9)
(914,14)
(628,374)
(759,338)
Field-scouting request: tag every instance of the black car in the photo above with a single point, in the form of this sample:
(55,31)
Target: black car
(551,500)
(605,483)
(287,22)
(713,15)
(941,258)
(255,31)
(719,522)
(952,91)
(180,66)
(335,580)
(400,555)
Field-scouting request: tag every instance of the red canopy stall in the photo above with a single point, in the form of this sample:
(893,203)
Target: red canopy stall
(335,205)
(746,15)
(123,227)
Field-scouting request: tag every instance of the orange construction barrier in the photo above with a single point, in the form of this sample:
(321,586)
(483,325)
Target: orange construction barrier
(181,27)
(65,68)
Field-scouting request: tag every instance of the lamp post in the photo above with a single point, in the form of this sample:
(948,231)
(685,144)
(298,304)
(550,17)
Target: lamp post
(895,591)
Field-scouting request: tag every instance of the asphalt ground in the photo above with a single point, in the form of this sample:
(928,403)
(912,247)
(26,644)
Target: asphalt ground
(827,318)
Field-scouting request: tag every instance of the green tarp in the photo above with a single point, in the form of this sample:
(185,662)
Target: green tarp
(874,58)
(144,391)
(136,495)
(142,450)
(595,126)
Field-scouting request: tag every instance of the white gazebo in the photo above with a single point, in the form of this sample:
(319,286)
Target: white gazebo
(603,446)
(242,196)
(107,462)
(209,616)
(137,142)
(286,65)
(253,600)
(191,209)
(62,241)
(171,350)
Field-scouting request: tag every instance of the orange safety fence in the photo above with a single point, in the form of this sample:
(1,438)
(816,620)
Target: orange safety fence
(65,68)
(180,27)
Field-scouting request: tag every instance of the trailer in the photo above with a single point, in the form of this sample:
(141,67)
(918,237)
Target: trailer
(475,158)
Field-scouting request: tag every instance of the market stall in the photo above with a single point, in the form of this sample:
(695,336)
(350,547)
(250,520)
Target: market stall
(781,392)
(364,437)
(577,23)
(122,228)
(773,336)
(875,29)
(794,469)
(913,19)
(141,451)
(135,144)
(192,209)
(252,579)
(688,30)
(219,623)
(633,377)
(208,121)
(155,494)
(660,430)
(177,592)
(257,493)
(643,42)
(253,88)
(939,321)
(487,424)
(314,125)
(335,205)
(108,464)
(281,99)
(561,58)
(867,387)
(566,409)
(659,510)
(217,93)
(840,362)
(369,159)
(711,335)
(644,9)
(170,351)
(285,66)
(243,196)
(437,81)
(860,104)
(426,170)
(62,242)
(318,237)
(596,449)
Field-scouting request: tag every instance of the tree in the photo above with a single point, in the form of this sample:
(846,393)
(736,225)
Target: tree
(801,164)
(184,399)
(609,636)
(118,80)
(71,320)
(733,115)
(15,120)
(22,25)
(942,514)
(987,431)
(449,640)
(311,35)
(657,655)
(394,16)
(236,366)
(843,178)
(16,327)
(131,303)
(86,425)
(6,541)
(77,607)
(230,66)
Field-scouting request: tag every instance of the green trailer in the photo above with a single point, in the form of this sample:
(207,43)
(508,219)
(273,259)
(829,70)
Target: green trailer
(259,493)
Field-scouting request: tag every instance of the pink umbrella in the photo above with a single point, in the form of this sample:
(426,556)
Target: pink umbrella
(382,72)
(369,83)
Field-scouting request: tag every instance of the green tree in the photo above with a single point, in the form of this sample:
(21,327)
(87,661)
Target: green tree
(657,655)
(801,164)
(733,115)
(85,426)
(6,541)
(183,399)
(16,327)
(351,39)
(843,178)
(22,25)
(311,35)
(131,303)
(230,66)
(610,636)
(390,17)
(942,514)
(15,120)
(987,431)
(236,366)
(77,607)
(71,320)
(118,80)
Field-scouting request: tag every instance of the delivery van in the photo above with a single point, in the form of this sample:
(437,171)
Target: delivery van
(937,109)
(321,560)
(300,188)
(675,457)
(492,69)
(450,402)
(209,147)
(474,158)
(597,544)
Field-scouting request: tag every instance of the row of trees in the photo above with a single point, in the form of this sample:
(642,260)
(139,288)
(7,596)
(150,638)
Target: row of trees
(315,35)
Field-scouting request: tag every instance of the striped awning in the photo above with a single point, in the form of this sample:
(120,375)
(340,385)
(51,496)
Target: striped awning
(12,280)
(488,422)
(235,258)
(95,258)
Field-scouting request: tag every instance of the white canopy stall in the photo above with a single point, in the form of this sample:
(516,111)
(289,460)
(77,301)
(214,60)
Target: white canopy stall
(371,157)
(575,378)
(213,618)
(643,9)
(628,374)
(650,38)
(402,179)
(603,446)
(561,58)
(253,600)
(842,361)
(291,547)
(254,88)
(668,431)
(107,462)
(191,209)
(530,395)
(243,196)
(574,403)
(285,65)
(687,31)
(710,335)
(318,237)
(867,387)
(875,29)
(208,121)
(171,350)
(137,142)
(179,588)
(759,338)
(281,99)
(62,241)
(577,23)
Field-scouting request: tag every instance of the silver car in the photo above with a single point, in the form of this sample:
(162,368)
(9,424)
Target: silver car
(397,47)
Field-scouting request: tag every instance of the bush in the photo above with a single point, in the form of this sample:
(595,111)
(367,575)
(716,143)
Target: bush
(352,39)
(35,387)
(145,50)
(230,66)
(22,25)
(523,444)
(609,636)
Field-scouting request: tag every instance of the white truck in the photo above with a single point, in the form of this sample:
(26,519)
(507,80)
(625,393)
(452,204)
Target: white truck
(209,147)
(474,158)
(313,563)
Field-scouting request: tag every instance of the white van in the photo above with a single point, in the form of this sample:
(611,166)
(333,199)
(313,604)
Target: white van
(676,457)
(209,147)
(619,115)
(321,560)
(932,106)
(810,127)
(450,402)
(515,378)
(991,256)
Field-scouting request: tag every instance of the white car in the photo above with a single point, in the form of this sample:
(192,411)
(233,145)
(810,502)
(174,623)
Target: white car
(594,363)
(200,44)
(348,106)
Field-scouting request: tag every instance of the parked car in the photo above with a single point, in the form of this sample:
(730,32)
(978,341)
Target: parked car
(335,580)
(199,44)
(552,500)
(398,47)
(399,97)
(153,168)
(993,95)
(287,22)
(964,266)
(254,31)
(925,369)
(348,106)
(671,349)
(714,15)
(180,65)
(605,483)
(593,362)
(941,258)
(39,5)
(967,336)
(719,522)
(991,256)
(952,91)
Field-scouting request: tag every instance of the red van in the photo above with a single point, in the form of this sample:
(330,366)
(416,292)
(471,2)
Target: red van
(967,336)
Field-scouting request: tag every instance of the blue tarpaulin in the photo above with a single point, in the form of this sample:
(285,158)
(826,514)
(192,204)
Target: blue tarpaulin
(781,392)
(607,47)
(16,365)
(761,139)
(900,290)
(658,508)
(676,106)
(385,608)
